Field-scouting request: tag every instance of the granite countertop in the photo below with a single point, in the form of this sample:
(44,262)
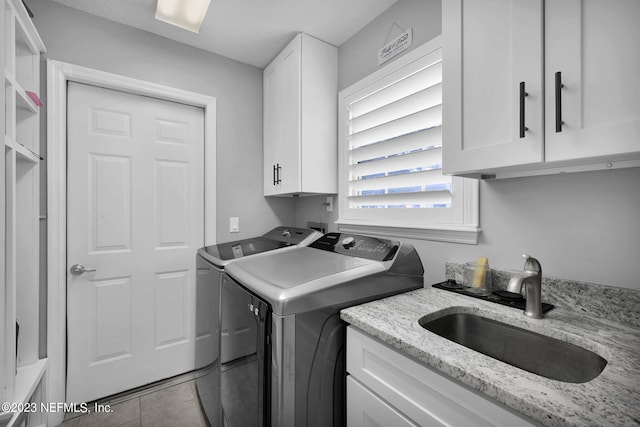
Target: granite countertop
(612,398)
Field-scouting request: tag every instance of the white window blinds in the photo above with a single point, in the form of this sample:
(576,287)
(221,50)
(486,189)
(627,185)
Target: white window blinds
(390,155)
(395,141)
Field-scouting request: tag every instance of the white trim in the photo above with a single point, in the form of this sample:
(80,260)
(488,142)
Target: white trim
(58,74)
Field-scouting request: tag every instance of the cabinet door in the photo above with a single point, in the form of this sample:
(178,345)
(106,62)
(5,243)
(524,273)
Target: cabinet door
(365,409)
(290,108)
(593,44)
(273,130)
(418,392)
(282,122)
(490,47)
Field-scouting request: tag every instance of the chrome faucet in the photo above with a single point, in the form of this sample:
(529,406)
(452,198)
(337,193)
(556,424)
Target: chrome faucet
(531,280)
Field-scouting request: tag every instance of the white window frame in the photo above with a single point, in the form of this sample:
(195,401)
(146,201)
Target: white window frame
(462,225)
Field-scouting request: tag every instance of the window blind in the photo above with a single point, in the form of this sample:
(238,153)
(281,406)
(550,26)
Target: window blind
(395,144)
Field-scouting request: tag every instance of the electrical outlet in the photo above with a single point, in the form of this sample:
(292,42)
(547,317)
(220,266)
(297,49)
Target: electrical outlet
(234,224)
(329,204)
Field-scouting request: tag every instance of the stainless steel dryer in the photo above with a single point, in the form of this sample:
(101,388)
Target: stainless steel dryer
(211,262)
(296,377)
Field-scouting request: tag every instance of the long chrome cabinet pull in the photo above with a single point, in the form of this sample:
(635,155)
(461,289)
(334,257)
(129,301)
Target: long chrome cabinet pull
(559,87)
(523,94)
(274,175)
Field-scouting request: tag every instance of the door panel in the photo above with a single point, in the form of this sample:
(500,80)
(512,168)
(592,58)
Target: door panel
(135,208)
(112,336)
(172,210)
(110,208)
(594,46)
(488,78)
(282,122)
(272,130)
(171,310)
(290,107)
(489,48)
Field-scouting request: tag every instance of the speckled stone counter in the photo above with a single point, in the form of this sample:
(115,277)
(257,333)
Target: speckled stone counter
(612,398)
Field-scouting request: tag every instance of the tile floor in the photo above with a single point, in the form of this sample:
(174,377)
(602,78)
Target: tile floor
(174,406)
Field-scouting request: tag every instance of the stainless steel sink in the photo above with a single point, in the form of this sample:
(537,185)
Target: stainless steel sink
(533,352)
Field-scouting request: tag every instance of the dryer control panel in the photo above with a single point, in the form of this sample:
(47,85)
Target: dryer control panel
(357,246)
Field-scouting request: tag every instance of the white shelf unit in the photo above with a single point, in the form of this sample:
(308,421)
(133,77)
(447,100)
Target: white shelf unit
(22,371)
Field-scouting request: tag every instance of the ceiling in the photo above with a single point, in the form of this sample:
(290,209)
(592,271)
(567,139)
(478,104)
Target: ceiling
(249,31)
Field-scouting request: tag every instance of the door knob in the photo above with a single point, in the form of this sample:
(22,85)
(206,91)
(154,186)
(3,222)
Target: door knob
(79,269)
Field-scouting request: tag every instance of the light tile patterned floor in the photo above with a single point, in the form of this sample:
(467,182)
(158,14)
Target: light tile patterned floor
(175,406)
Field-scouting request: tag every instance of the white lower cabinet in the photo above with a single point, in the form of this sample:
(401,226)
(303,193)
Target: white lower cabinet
(387,388)
(364,408)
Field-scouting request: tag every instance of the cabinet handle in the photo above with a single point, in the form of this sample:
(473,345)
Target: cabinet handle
(278,167)
(523,93)
(559,87)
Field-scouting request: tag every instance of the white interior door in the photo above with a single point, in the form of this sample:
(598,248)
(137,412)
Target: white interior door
(135,203)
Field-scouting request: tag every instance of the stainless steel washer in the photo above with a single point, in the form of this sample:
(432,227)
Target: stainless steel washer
(211,262)
(296,377)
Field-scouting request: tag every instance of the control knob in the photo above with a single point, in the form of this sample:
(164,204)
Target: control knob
(348,242)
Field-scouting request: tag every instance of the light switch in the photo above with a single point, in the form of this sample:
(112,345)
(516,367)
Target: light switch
(234,224)
(329,204)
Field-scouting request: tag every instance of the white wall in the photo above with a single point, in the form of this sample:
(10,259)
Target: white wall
(79,38)
(583,226)
(358,56)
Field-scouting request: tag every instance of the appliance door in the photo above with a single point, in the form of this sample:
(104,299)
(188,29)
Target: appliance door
(246,380)
(207,351)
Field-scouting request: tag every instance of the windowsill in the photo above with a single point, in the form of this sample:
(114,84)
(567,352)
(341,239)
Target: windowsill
(451,233)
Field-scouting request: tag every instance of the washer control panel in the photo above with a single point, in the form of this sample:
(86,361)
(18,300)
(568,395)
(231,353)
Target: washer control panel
(357,246)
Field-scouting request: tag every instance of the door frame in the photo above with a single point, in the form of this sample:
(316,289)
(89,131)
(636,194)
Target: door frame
(58,74)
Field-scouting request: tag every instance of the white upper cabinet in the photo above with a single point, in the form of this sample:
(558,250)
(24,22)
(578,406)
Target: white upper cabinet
(501,102)
(300,119)
(281,122)
(593,46)
(491,48)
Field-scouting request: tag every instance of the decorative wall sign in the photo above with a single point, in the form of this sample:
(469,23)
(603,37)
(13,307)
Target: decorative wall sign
(395,46)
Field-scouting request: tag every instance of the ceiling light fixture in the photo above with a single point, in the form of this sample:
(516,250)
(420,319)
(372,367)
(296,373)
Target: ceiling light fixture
(187,14)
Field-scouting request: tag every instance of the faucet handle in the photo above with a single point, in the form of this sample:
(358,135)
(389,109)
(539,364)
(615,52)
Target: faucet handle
(531,264)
